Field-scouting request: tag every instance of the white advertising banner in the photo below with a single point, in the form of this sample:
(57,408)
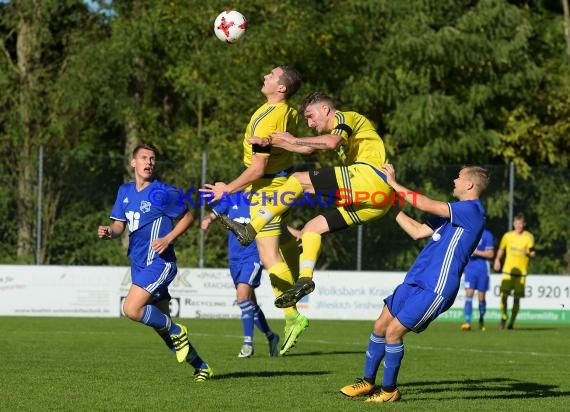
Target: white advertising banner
(98,291)
(60,290)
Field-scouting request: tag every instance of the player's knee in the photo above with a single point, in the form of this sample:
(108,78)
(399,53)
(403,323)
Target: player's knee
(304,179)
(393,336)
(242,296)
(380,328)
(132,311)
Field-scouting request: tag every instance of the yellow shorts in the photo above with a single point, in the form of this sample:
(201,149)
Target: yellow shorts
(261,193)
(364,195)
(513,283)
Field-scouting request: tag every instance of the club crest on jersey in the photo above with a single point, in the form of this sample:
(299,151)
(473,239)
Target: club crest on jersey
(126,200)
(145,206)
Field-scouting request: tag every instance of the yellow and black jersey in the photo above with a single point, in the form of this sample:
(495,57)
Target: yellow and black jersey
(270,118)
(360,140)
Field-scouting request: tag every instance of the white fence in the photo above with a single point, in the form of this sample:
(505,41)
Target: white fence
(98,291)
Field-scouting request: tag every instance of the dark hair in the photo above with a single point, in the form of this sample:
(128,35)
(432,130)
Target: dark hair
(315,97)
(146,146)
(291,79)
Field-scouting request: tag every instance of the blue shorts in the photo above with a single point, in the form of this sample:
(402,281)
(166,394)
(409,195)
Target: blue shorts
(155,278)
(415,307)
(246,271)
(478,281)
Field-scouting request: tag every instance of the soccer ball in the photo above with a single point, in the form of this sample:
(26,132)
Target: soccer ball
(230,25)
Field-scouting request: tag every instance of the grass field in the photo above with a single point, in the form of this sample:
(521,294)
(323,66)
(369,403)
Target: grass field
(116,364)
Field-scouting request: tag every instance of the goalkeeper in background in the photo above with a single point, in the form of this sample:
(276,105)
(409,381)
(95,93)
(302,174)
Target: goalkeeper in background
(518,248)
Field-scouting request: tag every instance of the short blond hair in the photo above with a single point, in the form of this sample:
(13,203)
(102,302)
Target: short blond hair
(479,176)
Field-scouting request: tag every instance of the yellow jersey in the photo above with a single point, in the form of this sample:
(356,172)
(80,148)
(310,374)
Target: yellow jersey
(360,140)
(517,247)
(270,118)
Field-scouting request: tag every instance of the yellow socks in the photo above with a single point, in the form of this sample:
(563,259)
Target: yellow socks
(289,251)
(280,277)
(311,242)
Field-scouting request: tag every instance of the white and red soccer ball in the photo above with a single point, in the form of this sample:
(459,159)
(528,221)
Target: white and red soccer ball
(230,25)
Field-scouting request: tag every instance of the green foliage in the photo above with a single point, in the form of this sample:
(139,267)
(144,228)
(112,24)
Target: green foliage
(446,83)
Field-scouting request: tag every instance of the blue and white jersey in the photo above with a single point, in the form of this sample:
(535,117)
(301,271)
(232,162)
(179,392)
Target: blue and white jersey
(478,265)
(440,264)
(149,215)
(236,206)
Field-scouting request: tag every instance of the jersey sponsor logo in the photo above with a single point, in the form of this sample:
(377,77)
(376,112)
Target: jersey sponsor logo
(145,206)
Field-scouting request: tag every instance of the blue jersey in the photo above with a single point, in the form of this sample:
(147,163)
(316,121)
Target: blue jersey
(236,206)
(439,266)
(478,265)
(149,215)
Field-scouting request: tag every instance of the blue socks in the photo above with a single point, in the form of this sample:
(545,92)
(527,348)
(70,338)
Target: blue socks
(468,309)
(392,362)
(153,317)
(482,309)
(260,321)
(374,354)
(247,320)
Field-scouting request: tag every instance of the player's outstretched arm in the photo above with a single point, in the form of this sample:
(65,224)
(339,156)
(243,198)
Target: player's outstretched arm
(412,227)
(255,171)
(305,145)
(417,200)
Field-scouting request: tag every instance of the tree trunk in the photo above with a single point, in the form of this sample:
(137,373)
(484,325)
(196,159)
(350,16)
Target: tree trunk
(28,56)
(566,24)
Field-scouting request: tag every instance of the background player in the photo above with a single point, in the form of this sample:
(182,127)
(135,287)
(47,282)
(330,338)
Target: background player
(477,279)
(151,251)
(518,247)
(245,269)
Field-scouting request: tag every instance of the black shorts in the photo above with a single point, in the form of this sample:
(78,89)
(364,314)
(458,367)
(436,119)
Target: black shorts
(325,185)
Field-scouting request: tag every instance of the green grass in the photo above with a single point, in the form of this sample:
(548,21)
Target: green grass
(116,364)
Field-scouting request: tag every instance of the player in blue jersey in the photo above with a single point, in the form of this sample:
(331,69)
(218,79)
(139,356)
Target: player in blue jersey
(431,284)
(149,208)
(245,269)
(477,279)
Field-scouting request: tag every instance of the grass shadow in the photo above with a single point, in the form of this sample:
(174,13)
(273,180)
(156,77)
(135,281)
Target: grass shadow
(495,388)
(322,353)
(531,329)
(268,374)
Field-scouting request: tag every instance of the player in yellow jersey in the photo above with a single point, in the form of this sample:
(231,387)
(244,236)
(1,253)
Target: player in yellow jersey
(266,169)
(359,185)
(518,247)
